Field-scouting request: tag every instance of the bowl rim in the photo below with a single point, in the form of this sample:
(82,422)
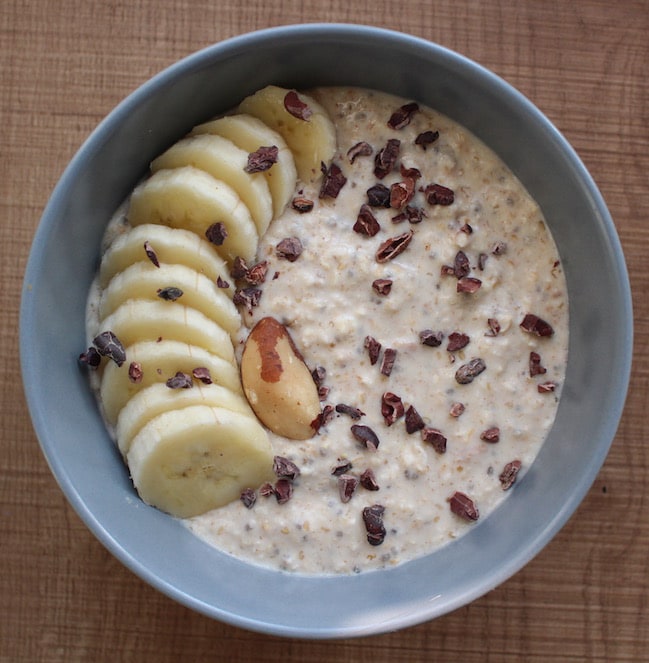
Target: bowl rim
(29,364)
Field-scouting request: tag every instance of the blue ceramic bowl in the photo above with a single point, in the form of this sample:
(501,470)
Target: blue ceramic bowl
(65,255)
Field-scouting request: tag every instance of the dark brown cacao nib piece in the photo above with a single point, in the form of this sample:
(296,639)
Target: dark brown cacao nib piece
(366,436)
(325,416)
(91,358)
(535,365)
(413,419)
(482,261)
(431,338)
(202,374)
(378,196)
(256,275)
(373,348)
(285,468)
(534,325)
(332,182)
(248,297)
(366,223)
(467,372)
(457,409)
(469,284)
(108,345)
(435,438)
(436,194)
(426,138)
(296,107)
(373,520)
(402,116)
(461,265)
(302,205)
(463,506)
(239,268)
(180,381)
(387,364)
(342,467)
(368,480)
(410,214)
(457,341)
(392,408)
(290,248)
(386,158)
(347,484)
(393,247)
(546,387)
(491,435)
(494,327)
(170,294)
(499,248)
(151,254)
(248,497)
(262,159)
(319,373)
(353,412)
(361,149)
(266,490)
(216,233)
(509,474)
(135,372)
(382,286)
(283,490)
(222,283)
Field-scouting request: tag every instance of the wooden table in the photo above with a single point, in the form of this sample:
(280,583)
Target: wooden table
(64,65)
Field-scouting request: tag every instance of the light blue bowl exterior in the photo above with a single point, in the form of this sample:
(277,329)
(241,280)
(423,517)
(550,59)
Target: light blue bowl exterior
(64,258)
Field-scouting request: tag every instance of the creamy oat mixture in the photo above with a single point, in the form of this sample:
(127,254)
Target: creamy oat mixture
(477,261)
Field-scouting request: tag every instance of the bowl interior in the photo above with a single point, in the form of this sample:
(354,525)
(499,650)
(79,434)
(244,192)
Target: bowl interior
(65,255)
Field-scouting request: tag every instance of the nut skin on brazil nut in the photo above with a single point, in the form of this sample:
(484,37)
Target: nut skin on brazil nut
(277,383)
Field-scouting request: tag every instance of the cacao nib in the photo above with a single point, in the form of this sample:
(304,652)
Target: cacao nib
(353,412)
(387,364)
(463,506)
(534,325)
(151,254)
(347,484)
(373,348)
(285,468)
(469,284)
(447,270)
(392,408)
(491,435)
(170,294)
(457,341)
(108,345)
(266,490)
(323,393)
(373,520)
(410,214)
(216,233)
(466,229)
(482,261)
(91,358)
(325,416)
(426,138)
(378,196)
(435,438)
(202,374)
(436,194)
(262,159)
(393,247)
(509,474)
(467,372)
(248,497)
(239,268)
(366,436)
(431,338)
(332,182)
(403,115)
(283,490)
(290,248)
(180,381)
(461,265)
(413,419)
(296,107)
(366,223)
(135,372)
(546,387)
(302,205)
(386,158)
(400,194)
(256,275)
(319,373)
(494,327)
(342,468)
(361,149)
(248,297)
(499,248)
(222,283)
(382,286)
(535,365)
(368,480)
(456,409)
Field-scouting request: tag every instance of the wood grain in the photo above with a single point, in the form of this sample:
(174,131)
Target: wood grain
(64,66)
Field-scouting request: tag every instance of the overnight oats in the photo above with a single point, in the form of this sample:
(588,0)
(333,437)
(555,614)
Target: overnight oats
(411,281)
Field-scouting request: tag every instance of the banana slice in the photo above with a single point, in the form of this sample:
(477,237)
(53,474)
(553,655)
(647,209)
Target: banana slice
(158,398)
(250,133)
(171,246)
(226,162)
(192,199)
(145,281)
(142,320)
(312,141)
(158,362)
(190,461)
